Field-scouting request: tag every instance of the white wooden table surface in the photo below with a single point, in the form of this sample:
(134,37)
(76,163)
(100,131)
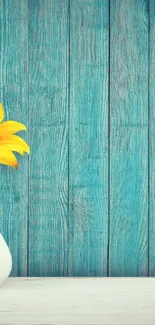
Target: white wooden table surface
(78,301)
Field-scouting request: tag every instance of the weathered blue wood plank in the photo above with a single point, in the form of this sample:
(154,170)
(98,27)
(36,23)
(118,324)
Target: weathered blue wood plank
(129,138)
(88,178)
(152,140)
(14,95)
(48,84)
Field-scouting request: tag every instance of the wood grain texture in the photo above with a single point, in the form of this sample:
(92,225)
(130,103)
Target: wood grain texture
(98,301)
(152,140)
(88,159)
(54,74)
(48,102)
(14,95)
(129,138)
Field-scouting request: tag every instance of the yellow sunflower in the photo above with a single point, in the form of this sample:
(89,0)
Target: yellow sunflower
(10,142)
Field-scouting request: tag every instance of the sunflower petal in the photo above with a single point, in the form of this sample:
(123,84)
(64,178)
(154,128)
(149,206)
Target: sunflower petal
(1,112)
(8,158)
(11,127)
(14,143)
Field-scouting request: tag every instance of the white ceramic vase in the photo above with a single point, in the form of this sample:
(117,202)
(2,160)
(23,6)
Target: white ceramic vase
(5,260)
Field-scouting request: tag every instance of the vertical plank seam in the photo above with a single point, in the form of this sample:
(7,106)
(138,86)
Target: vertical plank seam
(1,85)
(68,226)
(108,245)
(28,203)
(148,137)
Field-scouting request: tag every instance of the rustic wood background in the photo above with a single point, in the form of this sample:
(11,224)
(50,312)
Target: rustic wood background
(81,75)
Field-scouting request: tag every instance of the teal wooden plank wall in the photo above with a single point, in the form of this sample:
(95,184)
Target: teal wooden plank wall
(80,75)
